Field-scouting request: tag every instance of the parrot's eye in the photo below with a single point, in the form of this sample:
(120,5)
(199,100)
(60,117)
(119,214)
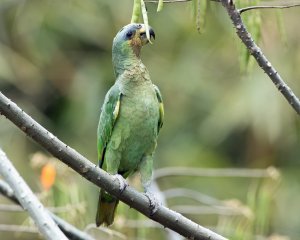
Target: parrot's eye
(129,34)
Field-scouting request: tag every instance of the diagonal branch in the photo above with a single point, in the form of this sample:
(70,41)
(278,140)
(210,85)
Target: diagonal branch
(91,172)
(260,58)
(29,201)
(254,50)
(69,230)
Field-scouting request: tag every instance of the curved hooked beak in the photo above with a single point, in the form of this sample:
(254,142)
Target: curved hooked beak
(143,35)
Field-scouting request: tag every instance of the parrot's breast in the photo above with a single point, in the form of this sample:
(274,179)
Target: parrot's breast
(135,132)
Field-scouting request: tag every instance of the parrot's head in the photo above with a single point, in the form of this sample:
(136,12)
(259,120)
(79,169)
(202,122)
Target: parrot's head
(130,39)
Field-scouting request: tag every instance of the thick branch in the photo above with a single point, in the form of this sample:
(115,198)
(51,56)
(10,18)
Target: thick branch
(260,58)
(91,172)
(69,230)
(29,201)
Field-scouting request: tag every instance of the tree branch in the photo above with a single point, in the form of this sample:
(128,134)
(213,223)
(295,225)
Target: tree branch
(29,201)
(260,58)
(91,172)
(266,7)
(69,230)
(254,50)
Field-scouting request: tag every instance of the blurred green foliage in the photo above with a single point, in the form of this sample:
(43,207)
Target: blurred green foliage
(55,62)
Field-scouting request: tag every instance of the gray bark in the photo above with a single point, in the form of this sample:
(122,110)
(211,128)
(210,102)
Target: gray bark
(69,230)
(29,201)
(94,174)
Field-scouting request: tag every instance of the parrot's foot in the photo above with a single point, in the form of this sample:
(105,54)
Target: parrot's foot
(122,182)
(153,202)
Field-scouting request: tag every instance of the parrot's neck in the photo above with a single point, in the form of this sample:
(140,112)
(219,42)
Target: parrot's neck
(125,60)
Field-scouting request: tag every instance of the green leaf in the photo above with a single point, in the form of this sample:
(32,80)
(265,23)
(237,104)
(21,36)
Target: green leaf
(160,5)
(201,15)
(199,12)
(136,11)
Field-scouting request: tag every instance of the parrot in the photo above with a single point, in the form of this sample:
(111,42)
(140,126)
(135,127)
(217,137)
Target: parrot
(131,117)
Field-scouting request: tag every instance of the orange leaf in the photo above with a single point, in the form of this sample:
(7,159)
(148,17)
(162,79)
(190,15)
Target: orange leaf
(48,175)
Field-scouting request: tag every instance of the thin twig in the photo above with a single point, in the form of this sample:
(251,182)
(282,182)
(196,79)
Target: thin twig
(215,172)
(18,228)
(60,209)
(260,58)
(168,1)
(66,208)
(267,7)
(94,174)
(145,223)
(207,210)
(69,230)
(174,1)
(216,206)
(195,195)
(112,233)
(10,208)
(29,201)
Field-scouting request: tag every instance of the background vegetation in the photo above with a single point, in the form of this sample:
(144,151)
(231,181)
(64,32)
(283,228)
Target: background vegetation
(55,62)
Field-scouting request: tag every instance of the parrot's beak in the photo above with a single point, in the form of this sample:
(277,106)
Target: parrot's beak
(143,35)
(140,38)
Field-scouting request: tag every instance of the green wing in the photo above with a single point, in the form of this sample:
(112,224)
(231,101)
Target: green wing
(109,114)
(161,108)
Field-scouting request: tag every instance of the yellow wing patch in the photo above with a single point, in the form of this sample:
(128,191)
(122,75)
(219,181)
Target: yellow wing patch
(116,110)
(161,114)
(161,108)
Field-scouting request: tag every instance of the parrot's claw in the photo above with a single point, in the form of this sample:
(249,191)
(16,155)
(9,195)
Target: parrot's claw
(153,202)
(122,182)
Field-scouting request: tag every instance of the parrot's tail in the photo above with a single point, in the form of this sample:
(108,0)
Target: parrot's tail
(107,206)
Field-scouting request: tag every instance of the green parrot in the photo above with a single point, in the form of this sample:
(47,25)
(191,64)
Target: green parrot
(130,119)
